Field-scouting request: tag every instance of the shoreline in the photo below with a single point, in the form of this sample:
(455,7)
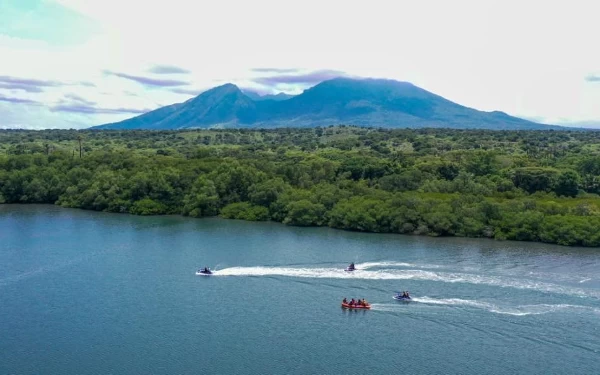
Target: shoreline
(219,217)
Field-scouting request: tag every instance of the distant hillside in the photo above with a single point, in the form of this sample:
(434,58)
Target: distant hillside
(363,102)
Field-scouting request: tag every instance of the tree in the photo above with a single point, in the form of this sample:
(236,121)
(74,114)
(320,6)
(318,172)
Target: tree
(448,171)
(148,206)
(482,163)
(266,192)
(79,138)
(567,184)
(202,200)
(305,213)
(245,211)
(532,179)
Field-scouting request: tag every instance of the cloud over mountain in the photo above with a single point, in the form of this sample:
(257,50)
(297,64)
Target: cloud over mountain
(74,103)
(306,79)
(148,81)
(168,69)
(274,70)
(184,91)
(90,109)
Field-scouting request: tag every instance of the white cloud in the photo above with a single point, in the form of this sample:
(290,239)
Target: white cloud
(526,58)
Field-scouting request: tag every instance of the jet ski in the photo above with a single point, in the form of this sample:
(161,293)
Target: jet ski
(205,272)
(350,268)
(399,297)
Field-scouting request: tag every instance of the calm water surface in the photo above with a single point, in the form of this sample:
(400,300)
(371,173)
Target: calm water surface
(94,293)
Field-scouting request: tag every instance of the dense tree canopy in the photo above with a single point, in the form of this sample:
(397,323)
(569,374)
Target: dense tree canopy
(526,185)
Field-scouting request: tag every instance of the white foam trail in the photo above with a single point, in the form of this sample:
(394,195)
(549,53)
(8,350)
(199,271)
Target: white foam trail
(568,278)
(542,309)
(522,310)
(387,307)
(409,274)
(367,265)
(450,301)
(288,271)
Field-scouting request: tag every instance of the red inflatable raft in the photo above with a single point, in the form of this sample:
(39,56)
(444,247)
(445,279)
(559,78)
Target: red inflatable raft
(348,306)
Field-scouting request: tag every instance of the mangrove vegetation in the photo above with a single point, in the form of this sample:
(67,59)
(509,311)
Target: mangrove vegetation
(517,185)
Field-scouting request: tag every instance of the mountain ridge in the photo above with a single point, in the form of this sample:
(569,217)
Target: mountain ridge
(257,97)
(362,102)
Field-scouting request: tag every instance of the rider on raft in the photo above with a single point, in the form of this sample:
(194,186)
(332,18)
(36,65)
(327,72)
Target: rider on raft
(357,302)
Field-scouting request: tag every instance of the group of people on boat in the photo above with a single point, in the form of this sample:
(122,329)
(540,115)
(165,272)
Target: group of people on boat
(205,270)
(405,294)
(355,302)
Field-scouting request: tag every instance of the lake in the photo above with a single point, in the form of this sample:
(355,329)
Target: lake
(96,293)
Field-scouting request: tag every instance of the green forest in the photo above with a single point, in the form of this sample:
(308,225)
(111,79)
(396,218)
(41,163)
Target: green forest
(518,185)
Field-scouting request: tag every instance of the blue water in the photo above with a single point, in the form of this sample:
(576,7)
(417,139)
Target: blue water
(95,293)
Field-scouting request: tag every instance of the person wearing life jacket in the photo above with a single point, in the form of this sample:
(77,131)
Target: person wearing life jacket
(352,302)
(364,302)
(345,301)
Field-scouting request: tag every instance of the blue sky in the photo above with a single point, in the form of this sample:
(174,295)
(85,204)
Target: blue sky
(78,63)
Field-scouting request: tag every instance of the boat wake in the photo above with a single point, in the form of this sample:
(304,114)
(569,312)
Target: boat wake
(364,272)
(520,310)
(367,265)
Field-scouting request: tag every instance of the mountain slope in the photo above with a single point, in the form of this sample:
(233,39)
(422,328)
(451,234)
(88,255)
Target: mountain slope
(363,102)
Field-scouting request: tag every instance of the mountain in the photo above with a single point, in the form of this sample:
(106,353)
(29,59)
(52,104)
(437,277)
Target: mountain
(257,97)
(363,102)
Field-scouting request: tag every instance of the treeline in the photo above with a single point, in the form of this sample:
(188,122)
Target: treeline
(531,186)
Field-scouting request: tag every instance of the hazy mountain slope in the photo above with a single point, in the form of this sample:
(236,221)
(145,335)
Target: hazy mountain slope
(364,102)
(221,105)
(148,120)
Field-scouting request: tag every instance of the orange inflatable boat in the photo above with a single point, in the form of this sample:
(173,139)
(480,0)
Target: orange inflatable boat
(348,306)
